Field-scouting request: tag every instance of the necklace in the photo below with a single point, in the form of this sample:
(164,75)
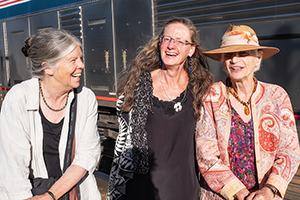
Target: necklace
(42,94)
(177,105)
(246,104)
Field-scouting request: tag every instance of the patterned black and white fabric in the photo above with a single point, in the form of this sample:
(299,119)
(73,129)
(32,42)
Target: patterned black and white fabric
(131,148)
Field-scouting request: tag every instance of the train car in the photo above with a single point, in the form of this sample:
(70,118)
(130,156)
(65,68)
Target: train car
(112,30)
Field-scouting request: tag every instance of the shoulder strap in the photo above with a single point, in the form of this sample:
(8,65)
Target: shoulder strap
(71,132)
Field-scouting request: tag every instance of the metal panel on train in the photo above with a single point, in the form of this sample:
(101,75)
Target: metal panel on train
(133,27)
(17,33)
(43,21)
(98,47)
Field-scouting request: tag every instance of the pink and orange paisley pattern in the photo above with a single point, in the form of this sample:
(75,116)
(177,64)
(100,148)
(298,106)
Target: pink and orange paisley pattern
(267,138)
(276,144)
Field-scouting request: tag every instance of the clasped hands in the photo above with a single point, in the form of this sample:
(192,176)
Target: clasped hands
(263,194)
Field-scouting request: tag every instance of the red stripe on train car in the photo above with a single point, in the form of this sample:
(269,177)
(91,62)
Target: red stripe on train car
(6,3)
(297,117)
(106,98)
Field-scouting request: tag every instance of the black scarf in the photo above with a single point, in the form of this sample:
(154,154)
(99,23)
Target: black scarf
(131,148)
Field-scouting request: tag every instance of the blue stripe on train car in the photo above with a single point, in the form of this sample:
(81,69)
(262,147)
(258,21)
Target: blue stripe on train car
(32,6)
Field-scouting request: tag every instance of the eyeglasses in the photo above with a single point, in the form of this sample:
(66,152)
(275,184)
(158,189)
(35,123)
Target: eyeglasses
(239,54)
(178,41)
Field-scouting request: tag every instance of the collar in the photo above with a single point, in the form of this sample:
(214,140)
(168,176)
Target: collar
(33,92)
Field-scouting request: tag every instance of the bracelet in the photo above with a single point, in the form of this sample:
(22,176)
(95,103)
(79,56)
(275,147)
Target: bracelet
(51,194)
(274,191)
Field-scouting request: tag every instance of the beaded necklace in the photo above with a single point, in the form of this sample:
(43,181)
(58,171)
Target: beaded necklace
(246,104)
(42,94)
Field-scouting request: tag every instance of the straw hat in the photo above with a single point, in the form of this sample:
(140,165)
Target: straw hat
(240,38)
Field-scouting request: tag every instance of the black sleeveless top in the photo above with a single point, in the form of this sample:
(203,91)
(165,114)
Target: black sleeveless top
(172,162)
(52,133)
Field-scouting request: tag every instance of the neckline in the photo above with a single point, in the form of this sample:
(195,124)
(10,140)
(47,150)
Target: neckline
(178,98)
(168,106)
(48,121)
(239,116)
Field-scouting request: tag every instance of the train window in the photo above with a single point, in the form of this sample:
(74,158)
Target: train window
(99,87)
(96,21)
(17,33)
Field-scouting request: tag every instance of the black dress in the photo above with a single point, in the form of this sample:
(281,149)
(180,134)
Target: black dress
(172,168)
(51,138)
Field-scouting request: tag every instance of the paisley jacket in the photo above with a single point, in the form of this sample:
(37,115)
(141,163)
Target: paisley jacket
(277,150)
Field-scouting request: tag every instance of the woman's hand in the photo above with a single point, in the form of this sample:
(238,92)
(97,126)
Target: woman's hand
(45,196)
(71,177)
(242,194)
(263,194)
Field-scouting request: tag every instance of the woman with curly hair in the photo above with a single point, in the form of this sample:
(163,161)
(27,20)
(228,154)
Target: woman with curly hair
(159,102)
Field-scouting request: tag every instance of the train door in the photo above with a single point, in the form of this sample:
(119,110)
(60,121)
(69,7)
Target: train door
(98,47)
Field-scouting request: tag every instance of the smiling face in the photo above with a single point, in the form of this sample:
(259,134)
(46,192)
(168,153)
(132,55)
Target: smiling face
(241,65)
(172,54)
(69,70)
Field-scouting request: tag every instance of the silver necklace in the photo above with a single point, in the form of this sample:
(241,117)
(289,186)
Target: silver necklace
(177,105)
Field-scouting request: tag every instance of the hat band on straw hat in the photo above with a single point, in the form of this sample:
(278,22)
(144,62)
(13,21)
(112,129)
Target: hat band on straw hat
(240,38)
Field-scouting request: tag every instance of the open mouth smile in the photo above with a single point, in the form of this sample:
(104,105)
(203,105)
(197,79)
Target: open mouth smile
(76,75)
(171,54)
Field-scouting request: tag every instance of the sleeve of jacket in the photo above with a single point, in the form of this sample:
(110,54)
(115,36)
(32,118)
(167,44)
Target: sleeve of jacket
(87,151)
(211,150)
(287,157)
(15,147)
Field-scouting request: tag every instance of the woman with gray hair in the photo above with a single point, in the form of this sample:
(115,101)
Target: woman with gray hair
(247,142)
(49,143)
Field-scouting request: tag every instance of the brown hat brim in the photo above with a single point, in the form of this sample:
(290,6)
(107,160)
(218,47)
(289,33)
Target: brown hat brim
(216,54)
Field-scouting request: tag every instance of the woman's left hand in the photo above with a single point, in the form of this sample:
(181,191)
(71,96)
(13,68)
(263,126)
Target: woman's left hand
(40,197)
(263,194)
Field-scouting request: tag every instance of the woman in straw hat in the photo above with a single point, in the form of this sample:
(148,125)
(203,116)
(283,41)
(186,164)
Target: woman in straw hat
(247,143)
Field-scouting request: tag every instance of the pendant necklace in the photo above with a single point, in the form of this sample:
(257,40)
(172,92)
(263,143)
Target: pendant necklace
(42,94)
(246,104)
(177,105)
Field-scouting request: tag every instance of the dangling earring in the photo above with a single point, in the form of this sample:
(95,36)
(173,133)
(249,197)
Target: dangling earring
(190,63)
(159,61)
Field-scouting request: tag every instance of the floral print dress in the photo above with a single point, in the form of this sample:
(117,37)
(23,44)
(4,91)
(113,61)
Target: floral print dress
(241,151)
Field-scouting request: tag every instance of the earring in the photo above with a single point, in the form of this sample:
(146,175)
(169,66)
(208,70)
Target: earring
(159,61)
(190,63)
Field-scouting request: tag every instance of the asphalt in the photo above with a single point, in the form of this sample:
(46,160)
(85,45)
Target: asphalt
(102,182)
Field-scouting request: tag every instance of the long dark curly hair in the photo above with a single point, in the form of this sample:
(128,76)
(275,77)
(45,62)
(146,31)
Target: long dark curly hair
(148,58)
